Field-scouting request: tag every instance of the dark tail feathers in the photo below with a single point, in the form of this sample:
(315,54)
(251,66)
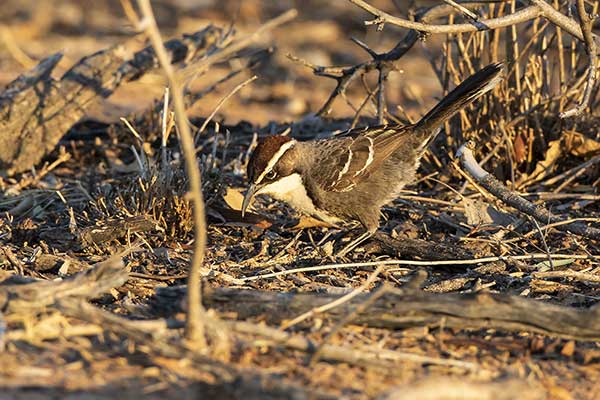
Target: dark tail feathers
(470,89)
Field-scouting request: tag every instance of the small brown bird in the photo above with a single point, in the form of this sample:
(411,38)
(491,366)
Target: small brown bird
(351,176)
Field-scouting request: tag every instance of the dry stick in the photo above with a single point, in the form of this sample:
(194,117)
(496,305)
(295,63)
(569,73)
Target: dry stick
(224,99)
(346,320)
(237,45)
(399,309)
(540,9)
(543,239)
(565,222)
(20,298)
(573,171)
(350,355)
(579,171)
(335,303)
(196,315)
(577,275)
(591,48)
(533,256)
(492,185)
(463,10)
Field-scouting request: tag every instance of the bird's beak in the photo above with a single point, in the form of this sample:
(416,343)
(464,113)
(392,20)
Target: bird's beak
(252,189)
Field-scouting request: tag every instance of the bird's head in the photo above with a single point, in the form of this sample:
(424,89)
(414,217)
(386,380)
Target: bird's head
(272,168)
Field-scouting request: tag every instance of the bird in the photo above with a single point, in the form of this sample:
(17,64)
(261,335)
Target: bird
(351,176)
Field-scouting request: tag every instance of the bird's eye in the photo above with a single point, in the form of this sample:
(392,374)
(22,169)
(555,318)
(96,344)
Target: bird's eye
(271,175)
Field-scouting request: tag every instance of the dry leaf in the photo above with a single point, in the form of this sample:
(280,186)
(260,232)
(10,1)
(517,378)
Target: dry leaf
(571,142)
(579,145)
(568,349)
(481,213)
(306,222)
(542,168)
(520,149)
(234,198)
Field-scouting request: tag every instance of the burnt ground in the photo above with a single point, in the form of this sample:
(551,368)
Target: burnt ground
(100,181)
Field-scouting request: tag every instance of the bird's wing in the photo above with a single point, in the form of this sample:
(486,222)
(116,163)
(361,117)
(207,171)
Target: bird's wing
(352,158)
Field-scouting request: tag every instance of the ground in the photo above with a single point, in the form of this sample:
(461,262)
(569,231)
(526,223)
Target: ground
(48,214)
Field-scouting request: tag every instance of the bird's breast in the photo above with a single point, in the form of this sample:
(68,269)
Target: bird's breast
(292,190)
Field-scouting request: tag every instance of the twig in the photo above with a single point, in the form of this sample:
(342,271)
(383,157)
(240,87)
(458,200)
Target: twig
(591,49)
(577,275)
(196,315)
(237,45)
(347,354)
(346,320)
(533,256)
(223,100)
(525,14)
(13,48)
(335,303)
(492,185)
(463,10)
(573,171)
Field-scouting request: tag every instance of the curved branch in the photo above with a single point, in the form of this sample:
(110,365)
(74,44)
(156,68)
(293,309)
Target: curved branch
(381,17)
(539,9)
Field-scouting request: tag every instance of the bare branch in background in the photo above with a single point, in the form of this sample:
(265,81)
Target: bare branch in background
(386,62)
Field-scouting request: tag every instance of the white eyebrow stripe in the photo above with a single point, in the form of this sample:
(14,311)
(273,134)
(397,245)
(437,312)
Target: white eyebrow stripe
(370,158)
(285,147)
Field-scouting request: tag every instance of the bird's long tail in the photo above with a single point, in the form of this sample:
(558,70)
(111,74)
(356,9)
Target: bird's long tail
(470,89)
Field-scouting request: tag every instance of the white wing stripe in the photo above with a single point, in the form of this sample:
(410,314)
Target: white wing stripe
(346,167)
(370,158)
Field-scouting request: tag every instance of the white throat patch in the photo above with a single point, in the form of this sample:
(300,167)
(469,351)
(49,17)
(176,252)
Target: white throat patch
(285,147)
(291,190)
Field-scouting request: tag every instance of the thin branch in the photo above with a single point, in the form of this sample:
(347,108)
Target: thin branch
(196,315)
(539,9)
(336,302)
(352,355)
(224,99)
(381,17)
(187,72)
(492,185)
(465,11)
(576,275)
(531,257)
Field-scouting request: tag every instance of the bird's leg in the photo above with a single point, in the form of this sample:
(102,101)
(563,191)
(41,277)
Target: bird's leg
(353,244)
